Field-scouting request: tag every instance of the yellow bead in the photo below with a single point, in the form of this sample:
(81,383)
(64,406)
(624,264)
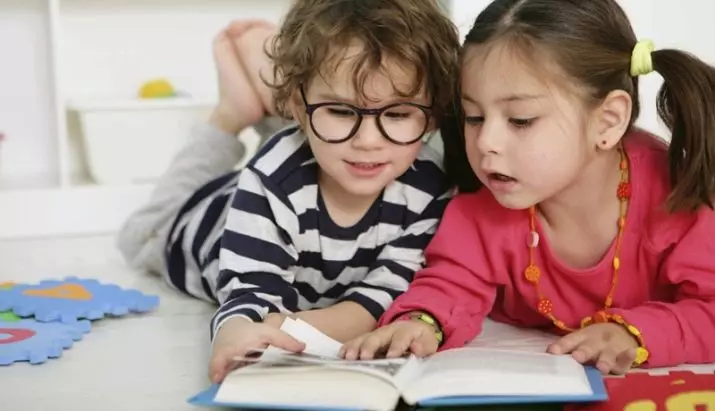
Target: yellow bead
(641,356)
(634,331)
(616,263)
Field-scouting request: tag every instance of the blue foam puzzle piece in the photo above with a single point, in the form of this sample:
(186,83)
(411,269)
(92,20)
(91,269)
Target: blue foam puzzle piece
(36,342)
(97,300)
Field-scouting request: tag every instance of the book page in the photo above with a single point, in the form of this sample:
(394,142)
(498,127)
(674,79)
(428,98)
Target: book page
(473,371)
(316,343)
(501,336)
(321,350)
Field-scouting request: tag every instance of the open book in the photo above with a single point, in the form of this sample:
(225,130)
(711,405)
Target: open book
(493,369)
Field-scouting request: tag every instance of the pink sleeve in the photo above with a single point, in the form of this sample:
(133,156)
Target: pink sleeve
(682,331)
(453,288)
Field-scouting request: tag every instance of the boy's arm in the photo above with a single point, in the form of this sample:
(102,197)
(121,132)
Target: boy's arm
(255,256)
(341,322)
(457,287)
(389,276)
(682,331)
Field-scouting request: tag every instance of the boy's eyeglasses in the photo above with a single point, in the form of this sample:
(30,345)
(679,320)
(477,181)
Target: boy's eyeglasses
(401,123)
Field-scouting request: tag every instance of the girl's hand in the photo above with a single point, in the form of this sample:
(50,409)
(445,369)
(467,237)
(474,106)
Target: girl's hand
(238,337)
(395,339)
(610,346)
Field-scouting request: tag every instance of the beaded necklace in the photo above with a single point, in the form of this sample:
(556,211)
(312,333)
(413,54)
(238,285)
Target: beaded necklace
(533,272)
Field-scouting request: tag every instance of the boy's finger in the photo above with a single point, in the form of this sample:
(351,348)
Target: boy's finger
(218,367)
(281,339)
(351,350)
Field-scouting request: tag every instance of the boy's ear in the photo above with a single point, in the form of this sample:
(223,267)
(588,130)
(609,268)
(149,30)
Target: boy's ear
(296,110)
(612,119)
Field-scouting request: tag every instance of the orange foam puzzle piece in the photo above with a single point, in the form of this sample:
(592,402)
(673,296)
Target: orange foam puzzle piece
(67,291)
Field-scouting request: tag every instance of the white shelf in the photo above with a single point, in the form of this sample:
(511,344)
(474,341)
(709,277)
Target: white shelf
(91,56)
(88,56)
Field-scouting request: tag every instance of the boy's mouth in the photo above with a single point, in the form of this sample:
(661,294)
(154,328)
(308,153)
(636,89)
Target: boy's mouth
(365,166)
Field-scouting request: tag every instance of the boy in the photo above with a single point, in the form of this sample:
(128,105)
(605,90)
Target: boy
(329,220)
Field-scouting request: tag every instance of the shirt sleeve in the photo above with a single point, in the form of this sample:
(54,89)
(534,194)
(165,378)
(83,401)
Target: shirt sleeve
(683,329)
(455,287)
(394,268)
(256,254)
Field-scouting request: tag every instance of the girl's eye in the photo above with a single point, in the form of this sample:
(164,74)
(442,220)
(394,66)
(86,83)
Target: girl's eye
(474,120)
(522,122)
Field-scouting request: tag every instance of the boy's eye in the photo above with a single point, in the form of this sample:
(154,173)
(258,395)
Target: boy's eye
(340,112)
(521,122)
(396,115)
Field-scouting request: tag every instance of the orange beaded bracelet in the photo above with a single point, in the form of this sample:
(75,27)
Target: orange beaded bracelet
(600,317)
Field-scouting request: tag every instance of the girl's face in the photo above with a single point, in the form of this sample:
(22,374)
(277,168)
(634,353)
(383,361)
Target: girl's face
(526,139)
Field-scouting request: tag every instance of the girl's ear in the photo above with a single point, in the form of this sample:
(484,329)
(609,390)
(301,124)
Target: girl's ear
(612,119)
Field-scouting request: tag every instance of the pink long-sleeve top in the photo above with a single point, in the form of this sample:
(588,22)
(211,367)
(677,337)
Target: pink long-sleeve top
(666,286)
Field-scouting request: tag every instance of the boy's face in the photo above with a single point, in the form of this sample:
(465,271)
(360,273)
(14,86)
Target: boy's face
(365,163)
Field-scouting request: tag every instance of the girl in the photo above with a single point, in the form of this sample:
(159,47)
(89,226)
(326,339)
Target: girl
(588,227)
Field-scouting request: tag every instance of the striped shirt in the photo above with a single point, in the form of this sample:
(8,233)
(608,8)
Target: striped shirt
(281,252)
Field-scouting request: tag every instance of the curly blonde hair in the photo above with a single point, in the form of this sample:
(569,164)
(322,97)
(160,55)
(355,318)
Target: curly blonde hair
(415,34)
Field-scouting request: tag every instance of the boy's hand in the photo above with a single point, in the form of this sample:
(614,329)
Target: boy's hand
(395,339)
(609,346)
(239,105)
(238,336)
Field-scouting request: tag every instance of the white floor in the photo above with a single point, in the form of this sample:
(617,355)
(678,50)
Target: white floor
(138,363)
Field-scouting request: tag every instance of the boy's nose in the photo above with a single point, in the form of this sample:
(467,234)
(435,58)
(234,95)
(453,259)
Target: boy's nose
(368,136)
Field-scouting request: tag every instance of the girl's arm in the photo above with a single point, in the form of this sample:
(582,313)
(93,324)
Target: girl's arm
(681,331)
(456,287)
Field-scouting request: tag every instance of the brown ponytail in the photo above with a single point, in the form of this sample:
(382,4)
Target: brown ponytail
(592,41)
(686,104)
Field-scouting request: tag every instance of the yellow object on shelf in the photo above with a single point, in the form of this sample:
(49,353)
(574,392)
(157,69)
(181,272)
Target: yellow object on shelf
(159,88)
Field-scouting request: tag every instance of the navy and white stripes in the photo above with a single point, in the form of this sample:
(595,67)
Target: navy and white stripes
(281,252)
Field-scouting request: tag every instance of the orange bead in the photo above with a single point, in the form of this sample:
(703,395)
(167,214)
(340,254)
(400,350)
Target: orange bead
(545,307)
(616,263)
(532,273)
(624,190)
(621,222)
(623,165)
(600,317)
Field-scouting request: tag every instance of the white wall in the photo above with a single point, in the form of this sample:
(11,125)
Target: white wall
(684,24)
(181,33)
(107,49)
(25,93)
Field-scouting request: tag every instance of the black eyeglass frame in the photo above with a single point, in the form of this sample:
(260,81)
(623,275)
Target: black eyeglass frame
(361,112)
